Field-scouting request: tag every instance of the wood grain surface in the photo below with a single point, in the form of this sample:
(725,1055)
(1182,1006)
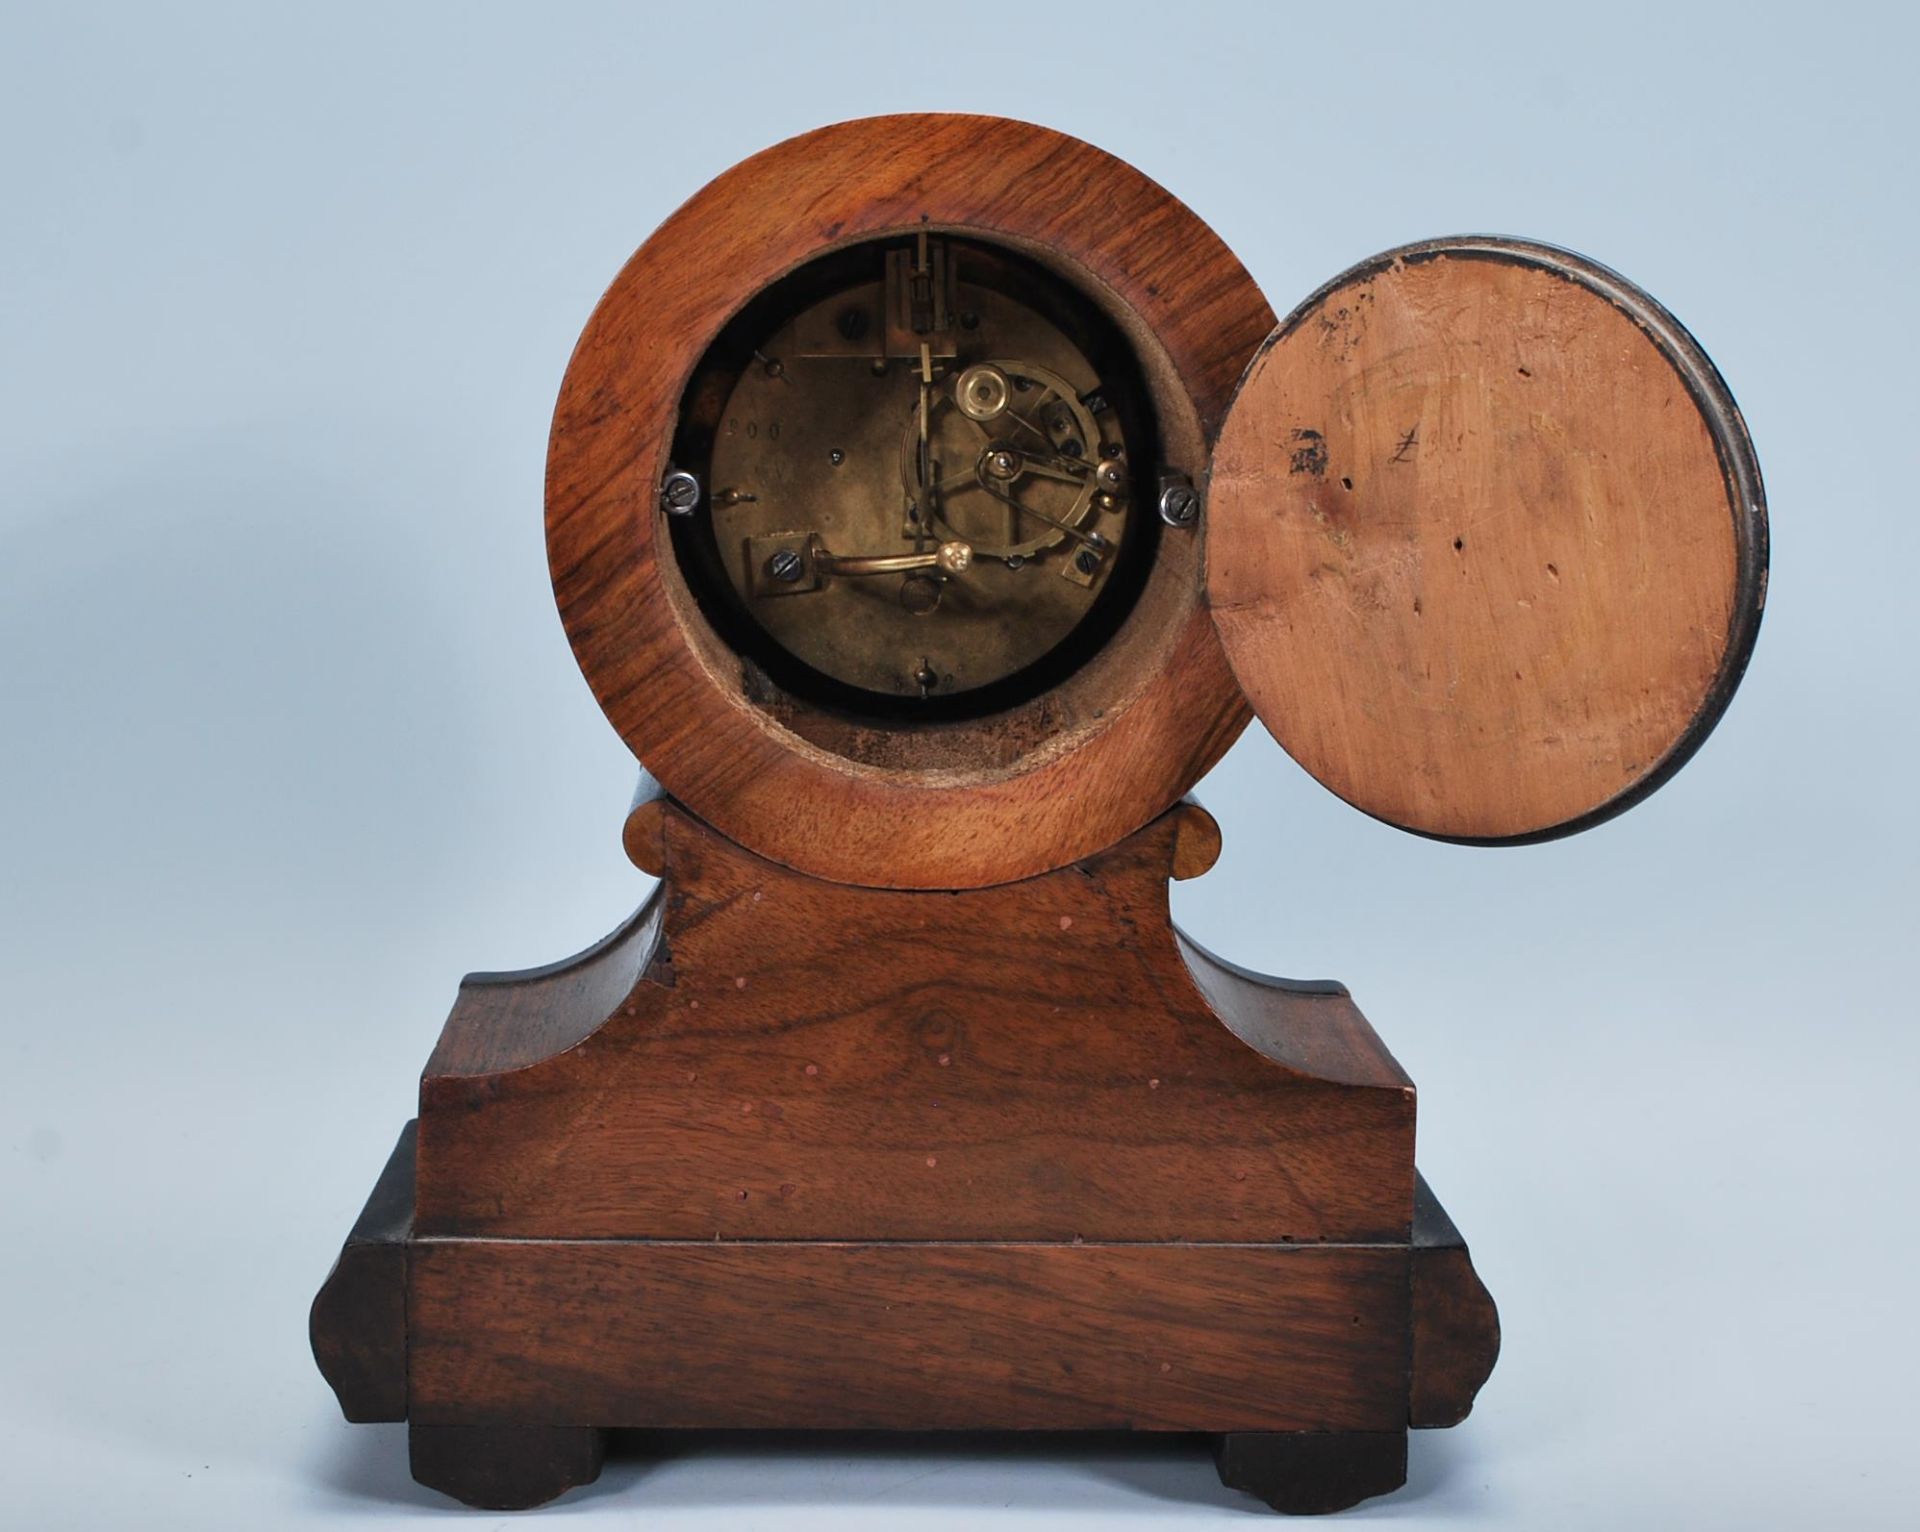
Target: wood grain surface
(509,1354)
(962,804)
(763,1055)
(1486,540)
(939,1336)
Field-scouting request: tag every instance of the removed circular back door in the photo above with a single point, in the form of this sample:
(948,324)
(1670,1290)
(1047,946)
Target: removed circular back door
(1486,540)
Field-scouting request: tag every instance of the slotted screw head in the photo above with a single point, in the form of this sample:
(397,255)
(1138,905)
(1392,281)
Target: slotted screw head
(1179,505)
(680,493)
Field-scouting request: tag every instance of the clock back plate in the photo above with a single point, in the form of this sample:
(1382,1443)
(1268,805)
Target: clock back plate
(1486,541)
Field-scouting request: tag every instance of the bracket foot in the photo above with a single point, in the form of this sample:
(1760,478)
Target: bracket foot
(1308,1473)
(506,1468)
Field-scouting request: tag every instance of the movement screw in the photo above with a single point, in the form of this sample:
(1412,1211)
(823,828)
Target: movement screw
(1179,505)
(680,493)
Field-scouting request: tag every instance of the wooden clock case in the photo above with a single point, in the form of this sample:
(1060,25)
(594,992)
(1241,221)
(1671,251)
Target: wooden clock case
(902,1103)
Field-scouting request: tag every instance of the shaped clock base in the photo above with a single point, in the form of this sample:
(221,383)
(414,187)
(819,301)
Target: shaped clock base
(365,1348)
(788,1155)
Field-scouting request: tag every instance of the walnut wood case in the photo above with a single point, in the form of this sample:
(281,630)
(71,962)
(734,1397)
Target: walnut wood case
(902,1103)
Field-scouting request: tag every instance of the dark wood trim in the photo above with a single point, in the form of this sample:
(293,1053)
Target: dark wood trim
(1456,1328)
(358,1323)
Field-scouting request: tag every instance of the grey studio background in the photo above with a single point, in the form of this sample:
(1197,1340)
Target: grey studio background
(290,737)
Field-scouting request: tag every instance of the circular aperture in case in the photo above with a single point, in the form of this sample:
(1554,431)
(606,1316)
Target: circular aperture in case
(923,465)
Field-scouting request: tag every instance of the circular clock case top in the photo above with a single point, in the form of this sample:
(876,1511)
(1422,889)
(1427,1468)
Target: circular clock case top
(926,724)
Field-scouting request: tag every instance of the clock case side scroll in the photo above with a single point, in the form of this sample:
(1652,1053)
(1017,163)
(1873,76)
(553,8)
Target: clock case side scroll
(782,1153)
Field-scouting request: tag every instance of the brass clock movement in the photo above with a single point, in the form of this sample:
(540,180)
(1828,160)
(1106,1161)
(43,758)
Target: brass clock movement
(906,478)
(931,501)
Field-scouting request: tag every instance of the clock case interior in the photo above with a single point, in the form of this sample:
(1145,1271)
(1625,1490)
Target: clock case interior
(1039,600)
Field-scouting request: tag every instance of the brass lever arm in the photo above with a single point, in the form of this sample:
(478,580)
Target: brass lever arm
(948,558)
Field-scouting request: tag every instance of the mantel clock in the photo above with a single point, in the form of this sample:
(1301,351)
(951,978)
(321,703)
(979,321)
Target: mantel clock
(931,501)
